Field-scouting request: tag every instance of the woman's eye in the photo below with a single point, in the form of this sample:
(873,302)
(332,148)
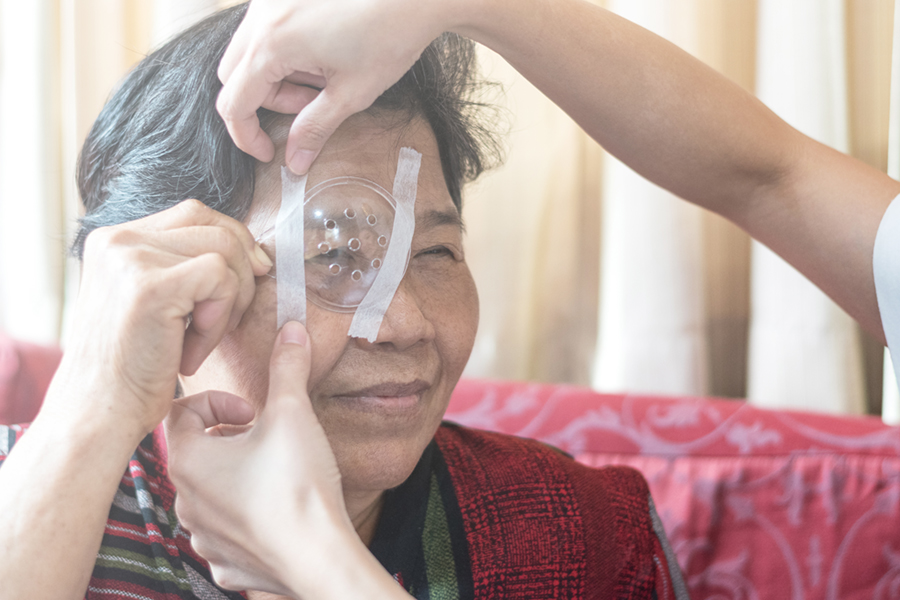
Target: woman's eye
(437,251)
(333,255)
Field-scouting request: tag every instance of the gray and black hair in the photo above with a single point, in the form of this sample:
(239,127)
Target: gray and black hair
(159,140)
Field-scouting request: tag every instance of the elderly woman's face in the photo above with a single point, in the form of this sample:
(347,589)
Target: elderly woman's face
(424,340)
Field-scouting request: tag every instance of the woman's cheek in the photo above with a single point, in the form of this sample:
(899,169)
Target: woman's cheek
(471,311)
(328,340)
(454,306)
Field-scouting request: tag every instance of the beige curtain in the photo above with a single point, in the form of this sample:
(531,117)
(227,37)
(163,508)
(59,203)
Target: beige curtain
(652,334)
(532,242)
(59,60)
(804,350)
(586,273)
(31,223)
(674,295)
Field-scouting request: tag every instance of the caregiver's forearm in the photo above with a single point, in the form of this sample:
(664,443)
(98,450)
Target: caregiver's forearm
(56,488)
(685,127)
(644,99)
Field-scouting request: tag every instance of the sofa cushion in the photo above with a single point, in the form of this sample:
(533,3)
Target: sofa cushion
(756,503)
(25,373)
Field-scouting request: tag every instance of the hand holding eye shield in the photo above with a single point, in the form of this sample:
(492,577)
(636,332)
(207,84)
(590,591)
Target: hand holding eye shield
(265,505)
(142,282)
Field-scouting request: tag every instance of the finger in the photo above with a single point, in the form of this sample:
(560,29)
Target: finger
(228,577)
(228,430)
(183,514)
(289,367)
(237,48)
(290,99)
(244,92)
(315,124)
(193,213)
(196,240)
(211,320)
(317,82)
(215,292)
(207,409)
(191,242)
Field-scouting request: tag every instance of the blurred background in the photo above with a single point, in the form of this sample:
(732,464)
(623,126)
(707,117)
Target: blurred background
(587,274)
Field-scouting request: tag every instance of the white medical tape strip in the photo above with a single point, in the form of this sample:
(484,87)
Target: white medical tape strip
(886,267)
(367,320)
(290,249)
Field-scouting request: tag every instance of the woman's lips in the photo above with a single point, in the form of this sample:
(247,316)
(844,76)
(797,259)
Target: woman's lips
(390,396)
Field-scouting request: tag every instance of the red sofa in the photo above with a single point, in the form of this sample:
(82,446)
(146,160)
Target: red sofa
(758,504)
(25,373)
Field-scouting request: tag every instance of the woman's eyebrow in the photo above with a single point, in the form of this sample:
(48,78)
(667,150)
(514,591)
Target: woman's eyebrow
(436,218)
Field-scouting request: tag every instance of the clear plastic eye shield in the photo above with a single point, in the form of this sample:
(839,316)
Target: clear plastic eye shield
(344,244)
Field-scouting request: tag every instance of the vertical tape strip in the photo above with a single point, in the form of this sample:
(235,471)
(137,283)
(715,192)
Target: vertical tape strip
(886,268)
(289,250)
(368,317)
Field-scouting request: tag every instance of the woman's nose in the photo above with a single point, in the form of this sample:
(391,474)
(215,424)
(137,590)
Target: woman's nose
(404,323)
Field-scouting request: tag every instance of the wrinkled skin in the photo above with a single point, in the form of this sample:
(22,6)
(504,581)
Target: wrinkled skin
(425,339)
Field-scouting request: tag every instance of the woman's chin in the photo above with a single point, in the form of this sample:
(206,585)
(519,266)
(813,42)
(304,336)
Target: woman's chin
(376,464)
(377,442)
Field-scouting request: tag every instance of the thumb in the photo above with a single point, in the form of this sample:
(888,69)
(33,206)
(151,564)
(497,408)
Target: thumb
(289,366)
(315,124)
(195,414)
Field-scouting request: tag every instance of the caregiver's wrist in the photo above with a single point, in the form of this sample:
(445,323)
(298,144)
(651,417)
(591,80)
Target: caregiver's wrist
(468,18)
(488,22)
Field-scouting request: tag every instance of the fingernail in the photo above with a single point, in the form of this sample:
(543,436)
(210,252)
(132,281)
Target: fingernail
(293,333)
(301,161)
(262,256)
